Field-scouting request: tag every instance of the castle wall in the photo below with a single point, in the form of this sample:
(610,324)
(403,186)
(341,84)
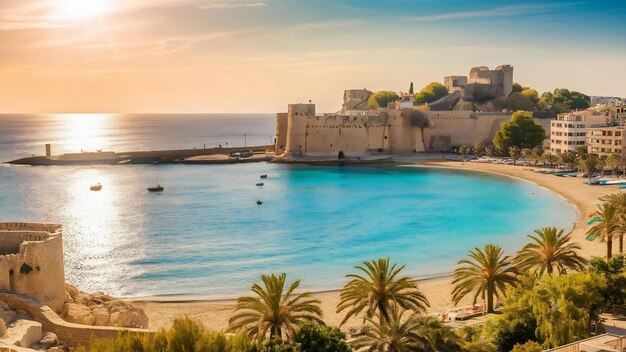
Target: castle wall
(41,250)
(454,128)
(281,132)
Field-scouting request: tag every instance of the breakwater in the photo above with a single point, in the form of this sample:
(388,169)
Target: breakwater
(218,155)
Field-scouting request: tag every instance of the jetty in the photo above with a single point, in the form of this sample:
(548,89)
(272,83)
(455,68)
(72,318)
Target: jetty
(216,155)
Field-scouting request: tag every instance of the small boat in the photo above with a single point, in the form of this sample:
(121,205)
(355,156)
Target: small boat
(96,187)
(258,202)
(157,188)
(264,176)
(260,184)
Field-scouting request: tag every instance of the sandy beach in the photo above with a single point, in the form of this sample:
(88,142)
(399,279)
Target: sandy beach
(215,314)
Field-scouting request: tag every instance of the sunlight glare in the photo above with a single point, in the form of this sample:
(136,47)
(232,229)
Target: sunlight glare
(77,10)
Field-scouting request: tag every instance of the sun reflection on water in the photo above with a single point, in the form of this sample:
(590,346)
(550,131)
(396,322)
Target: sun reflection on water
(83,132)
(98,236)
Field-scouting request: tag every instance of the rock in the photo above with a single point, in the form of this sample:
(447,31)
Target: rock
(135,318)
(8,316)
(101,315)
(48,340)
(22,333)
(72,291)
(77,313)
(82,298)
(4,306)
(55,349)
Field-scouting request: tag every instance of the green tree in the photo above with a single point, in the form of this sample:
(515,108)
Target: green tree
(613,271)
(607,227)
(517,322)
(521,131)
(486,272)
(394,334)
(381,98)
(411,88)
(316,338)
(564,305)
(431,92)
(517,88)
(550,251)
(531,95)
(377,289)
(275,310)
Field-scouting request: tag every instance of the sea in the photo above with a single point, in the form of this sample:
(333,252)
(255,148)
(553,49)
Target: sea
(206,237)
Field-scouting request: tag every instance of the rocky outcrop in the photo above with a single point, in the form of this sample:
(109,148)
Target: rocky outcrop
(22,333)
(101,310)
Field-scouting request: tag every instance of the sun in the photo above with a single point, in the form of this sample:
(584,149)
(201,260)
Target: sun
(77,10)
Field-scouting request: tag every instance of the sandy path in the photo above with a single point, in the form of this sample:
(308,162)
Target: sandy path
(215,314)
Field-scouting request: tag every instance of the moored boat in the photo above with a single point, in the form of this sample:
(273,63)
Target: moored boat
(264,176)
(96,187)
(260,184)
(157,188)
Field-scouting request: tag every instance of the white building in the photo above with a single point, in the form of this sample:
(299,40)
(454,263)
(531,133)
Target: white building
(569,130)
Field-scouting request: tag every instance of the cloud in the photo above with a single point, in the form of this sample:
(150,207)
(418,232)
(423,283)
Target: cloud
(494,12)
(325,24)
(230,5)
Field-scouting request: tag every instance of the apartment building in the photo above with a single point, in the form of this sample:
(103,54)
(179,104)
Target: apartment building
(606,140)
(569,131)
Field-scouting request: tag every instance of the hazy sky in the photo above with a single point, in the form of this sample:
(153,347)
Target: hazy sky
(260,55)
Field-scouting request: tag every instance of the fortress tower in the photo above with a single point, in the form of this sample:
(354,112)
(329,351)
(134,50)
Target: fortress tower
(31,262)
(482,83)
(297,119)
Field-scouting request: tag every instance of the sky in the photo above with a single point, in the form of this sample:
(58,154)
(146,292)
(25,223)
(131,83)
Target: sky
(159,56)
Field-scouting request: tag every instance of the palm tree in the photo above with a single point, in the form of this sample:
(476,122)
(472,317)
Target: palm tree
(550,250)
(612,162)
(487,273)
(619,200)
(514,152)
(393,335)
(590,163)
(608,227)
(442,338)
(274,310)
(377,289)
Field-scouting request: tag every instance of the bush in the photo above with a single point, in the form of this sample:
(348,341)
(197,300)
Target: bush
(278,345)
(530,346)
(313,338)
(381,99)
(185,335)
(431,92)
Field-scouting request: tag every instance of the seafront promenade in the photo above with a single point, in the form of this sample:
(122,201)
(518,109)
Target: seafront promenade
(215,314)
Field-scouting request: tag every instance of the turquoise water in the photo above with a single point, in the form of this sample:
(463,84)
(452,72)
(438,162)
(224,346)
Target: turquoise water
(206,237)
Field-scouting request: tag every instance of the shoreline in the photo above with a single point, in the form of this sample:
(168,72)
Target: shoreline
(214,313)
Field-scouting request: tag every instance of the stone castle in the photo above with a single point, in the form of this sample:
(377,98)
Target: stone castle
(399,128)
(31,262)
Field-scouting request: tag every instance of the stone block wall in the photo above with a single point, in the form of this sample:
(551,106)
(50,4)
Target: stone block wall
(36,268)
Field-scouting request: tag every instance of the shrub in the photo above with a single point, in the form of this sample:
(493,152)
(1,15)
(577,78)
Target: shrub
(530,346)
(278,345)
(381,99)
(185,335)
(314,338)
